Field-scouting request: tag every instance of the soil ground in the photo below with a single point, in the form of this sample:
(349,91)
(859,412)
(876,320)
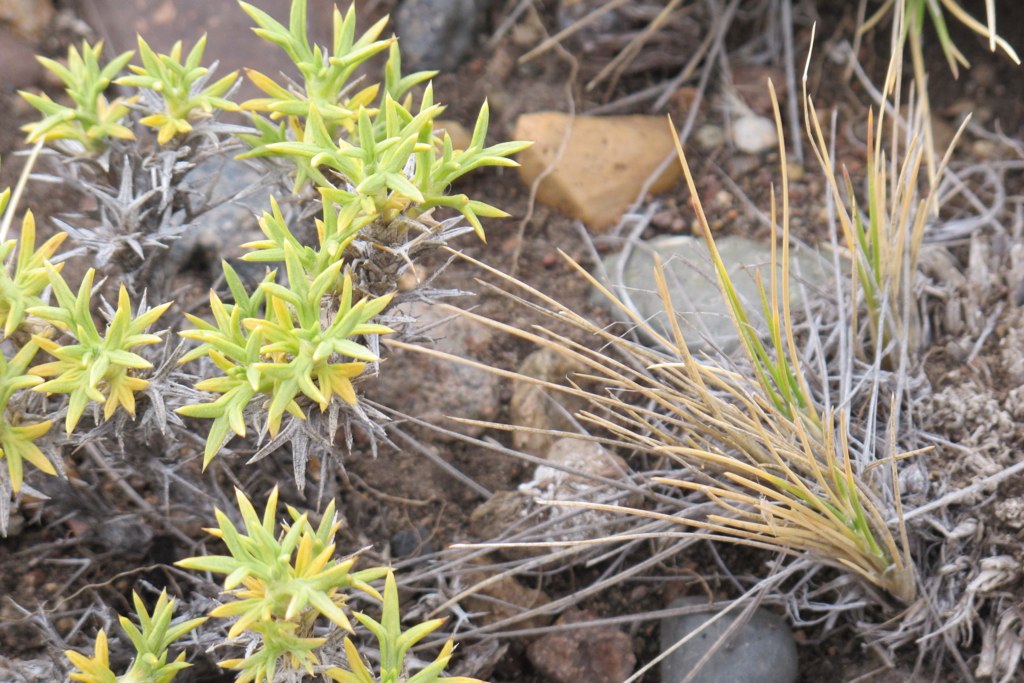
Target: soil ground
(57,562)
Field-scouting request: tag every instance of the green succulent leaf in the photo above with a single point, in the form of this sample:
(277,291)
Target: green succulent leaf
(96,368)
(17,446)
(23,278)
(281,577)
(288,351)
(394,643)
(93,119)
(181,86)
(153,637)
(151,640)
(95,669)
(325,72)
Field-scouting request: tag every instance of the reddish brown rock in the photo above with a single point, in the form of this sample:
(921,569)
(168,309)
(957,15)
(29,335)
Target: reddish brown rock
(505,598)
(27,19)
(599,654)
(230,38)
(492,517)
(603,167)
(20,68)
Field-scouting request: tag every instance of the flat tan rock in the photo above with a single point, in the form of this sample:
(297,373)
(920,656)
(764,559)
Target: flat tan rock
(606,162)
(461,136)
(532,406)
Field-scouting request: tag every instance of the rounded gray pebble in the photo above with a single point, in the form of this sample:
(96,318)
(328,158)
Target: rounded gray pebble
(693,286)
(763,650)
(412,543)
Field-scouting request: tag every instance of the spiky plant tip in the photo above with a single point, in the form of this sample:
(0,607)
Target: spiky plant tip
(151,639)
(23,274)
(280,577)
(93,119)
(179,85)
(394,643)
(96,363)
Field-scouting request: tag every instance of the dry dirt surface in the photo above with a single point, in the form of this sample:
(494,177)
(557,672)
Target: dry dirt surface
(114,525)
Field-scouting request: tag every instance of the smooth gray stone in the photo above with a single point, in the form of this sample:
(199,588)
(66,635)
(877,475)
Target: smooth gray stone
(693,286)
(226,198)
(763,650)
(437,34)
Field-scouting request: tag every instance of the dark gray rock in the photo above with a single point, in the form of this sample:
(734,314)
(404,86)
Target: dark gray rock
(763,650)
(412,543)
(610,29)
(436,34)
(227,197)
(124,535)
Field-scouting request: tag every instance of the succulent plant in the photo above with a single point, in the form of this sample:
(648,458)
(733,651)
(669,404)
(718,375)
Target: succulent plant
(371,172)
(282,583)
(22,279)
(93,119)
(17,439)
(289,350)
(98,367)
(180,88)
(151,640)
(394,643)
(325,73)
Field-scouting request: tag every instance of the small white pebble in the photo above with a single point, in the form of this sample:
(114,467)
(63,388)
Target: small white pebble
(754,134)
(709,137)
